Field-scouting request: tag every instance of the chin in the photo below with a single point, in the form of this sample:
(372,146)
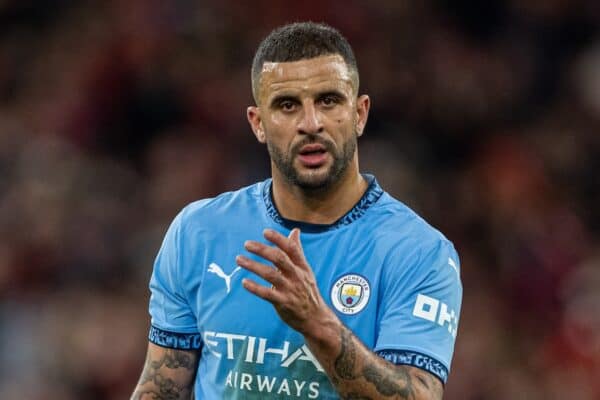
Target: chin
(314,180)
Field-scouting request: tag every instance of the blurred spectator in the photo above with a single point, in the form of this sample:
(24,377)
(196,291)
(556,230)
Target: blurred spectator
(114,115)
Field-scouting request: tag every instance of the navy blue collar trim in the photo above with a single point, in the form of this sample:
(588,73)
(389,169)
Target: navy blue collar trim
(371,195)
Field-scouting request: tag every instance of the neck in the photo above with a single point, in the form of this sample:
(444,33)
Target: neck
(319,206)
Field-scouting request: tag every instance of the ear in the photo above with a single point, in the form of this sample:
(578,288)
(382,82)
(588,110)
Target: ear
(363,104)
(253,115)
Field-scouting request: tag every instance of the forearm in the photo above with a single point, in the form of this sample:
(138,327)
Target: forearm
(161,387)
(168,374)
(358,373)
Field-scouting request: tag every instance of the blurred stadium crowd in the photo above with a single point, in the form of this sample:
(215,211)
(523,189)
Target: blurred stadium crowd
(115,114)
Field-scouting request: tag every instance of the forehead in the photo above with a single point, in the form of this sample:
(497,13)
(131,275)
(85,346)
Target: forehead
(305,75)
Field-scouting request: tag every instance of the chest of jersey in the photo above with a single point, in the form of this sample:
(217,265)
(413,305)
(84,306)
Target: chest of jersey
(246,346)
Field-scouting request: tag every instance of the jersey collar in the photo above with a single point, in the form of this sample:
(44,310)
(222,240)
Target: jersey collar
(371,195)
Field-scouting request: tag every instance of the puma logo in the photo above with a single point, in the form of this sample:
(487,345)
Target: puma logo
(453,265)
(216,269)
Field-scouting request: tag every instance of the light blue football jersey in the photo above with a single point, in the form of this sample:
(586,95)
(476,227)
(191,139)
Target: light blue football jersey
(390,277)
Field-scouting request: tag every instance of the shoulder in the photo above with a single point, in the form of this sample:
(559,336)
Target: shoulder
(231,206)
(412,244)
(402,225)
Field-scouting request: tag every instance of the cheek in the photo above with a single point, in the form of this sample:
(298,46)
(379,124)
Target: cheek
(282,122)
(281,126)
(342,116)
(276,134)
(343,121)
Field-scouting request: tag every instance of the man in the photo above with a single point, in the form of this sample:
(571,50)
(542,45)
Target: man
(315,284)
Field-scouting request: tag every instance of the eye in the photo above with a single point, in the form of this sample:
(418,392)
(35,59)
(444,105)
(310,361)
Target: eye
(329,100)
(287,105)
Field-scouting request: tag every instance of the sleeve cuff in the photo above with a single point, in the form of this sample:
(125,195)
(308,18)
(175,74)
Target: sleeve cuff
(416,359)
(175,340)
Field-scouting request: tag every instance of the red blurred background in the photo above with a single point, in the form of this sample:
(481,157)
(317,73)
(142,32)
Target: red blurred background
(115,114)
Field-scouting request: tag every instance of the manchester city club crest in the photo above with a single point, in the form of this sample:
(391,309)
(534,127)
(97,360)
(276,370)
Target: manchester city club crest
(350,294)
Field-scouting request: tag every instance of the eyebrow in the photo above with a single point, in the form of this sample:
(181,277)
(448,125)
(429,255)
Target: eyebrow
(333,92)
(282,97)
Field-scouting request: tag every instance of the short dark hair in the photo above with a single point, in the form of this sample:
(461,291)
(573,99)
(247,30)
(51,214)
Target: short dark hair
(301,41)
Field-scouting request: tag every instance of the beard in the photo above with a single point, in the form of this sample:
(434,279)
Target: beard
(314,180)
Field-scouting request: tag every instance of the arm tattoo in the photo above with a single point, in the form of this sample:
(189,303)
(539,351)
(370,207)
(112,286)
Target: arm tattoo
(174,359)
(344,363)
(160,386)
(390,381)
(387,380)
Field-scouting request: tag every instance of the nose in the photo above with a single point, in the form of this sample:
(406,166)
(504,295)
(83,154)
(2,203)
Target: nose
(310,120)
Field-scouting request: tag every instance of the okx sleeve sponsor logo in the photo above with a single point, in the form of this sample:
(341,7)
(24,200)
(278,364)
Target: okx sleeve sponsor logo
(436,311)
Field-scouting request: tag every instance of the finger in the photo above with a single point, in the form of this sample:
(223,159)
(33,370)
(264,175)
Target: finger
(293,235)
(290,245)
(268,273)
(274,297)
(270,253)
(284,243)
(296,251)
(295,238)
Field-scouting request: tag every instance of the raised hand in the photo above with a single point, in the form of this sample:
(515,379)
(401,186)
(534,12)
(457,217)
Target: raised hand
(354,370)
(293,292)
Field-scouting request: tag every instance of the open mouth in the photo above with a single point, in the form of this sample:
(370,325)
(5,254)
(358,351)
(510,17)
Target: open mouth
(313,155)
(312,149)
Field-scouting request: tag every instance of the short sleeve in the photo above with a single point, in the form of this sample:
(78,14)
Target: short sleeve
(419,311)
(173,321)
